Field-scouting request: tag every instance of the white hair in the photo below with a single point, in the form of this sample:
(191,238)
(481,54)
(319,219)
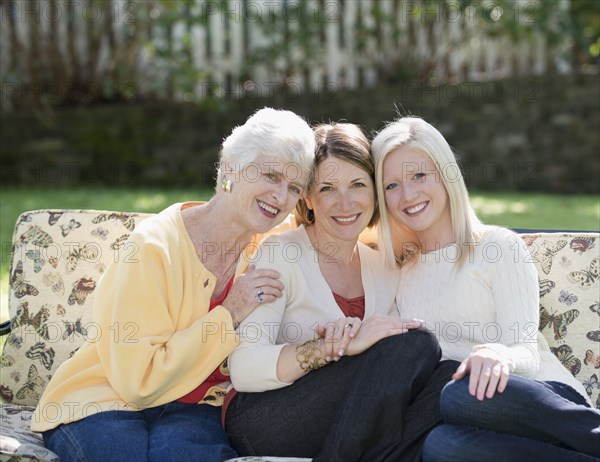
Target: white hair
(415,133)
(271,132)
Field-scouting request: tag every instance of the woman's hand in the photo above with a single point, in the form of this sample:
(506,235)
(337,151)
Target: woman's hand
(489,372)
(251,289)
(376,328)
(337,335)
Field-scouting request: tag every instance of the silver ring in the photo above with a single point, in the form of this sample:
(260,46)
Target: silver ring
(260,291)
(349,325)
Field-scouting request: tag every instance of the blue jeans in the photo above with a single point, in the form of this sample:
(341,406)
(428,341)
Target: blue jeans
(531,420)
(171,432)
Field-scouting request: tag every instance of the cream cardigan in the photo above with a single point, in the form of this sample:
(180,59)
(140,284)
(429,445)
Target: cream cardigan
(307,301)
(156,339)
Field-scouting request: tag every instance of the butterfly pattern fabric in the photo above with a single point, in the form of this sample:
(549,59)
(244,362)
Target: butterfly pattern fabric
(546,286)
(582,244)
(53,217)
(592,359)
(126,219)
(564,353)
(71,226)
(100,232)
(587,277)
(568,267)
(590,384)
(36,257)
(33,386)
(36,236)
(19,285)
(44,354)
(55,281)
(558,322)
(39,321)
(55,301)
(88,252)
(58,259)
(544,256)
(81,289)
(72,328)
(593,335)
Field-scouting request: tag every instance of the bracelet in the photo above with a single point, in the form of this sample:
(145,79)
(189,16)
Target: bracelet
(309,356)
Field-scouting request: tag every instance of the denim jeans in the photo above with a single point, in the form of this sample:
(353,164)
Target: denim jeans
(530,420)
(372,407)
(171,432)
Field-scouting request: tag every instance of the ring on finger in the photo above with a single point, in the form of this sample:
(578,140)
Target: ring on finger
(349,325)
(260,291)
(260,299)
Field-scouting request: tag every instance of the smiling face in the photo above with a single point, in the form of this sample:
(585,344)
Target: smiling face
(265,191)
(342,198)
(415,196)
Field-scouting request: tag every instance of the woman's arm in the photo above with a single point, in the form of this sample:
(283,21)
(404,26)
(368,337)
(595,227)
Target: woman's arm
(254,365)
(514,283)
(140,306)
(259,364)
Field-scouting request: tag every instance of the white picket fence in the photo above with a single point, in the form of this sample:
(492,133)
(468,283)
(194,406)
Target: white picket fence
(452,42)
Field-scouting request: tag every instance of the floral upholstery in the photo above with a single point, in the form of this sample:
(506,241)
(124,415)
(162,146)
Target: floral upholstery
(59,256)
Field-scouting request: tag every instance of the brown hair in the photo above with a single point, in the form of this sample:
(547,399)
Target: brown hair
(346,142)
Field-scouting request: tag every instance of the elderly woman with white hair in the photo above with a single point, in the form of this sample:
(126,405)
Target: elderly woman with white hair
(157,394)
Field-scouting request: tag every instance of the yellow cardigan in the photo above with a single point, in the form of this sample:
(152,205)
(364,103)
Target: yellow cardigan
(156,339)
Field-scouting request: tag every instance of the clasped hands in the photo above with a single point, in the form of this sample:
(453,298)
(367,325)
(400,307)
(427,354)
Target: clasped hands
(488,370)
(349,336)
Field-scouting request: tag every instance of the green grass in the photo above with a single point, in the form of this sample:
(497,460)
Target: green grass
(544,211)
(512,210)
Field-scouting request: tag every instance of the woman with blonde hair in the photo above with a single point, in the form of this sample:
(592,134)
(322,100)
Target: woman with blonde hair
(476,287)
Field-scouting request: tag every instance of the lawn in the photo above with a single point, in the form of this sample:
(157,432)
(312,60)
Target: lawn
(512,210)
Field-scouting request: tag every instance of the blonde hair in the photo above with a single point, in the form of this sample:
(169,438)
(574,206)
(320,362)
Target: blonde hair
(415,133)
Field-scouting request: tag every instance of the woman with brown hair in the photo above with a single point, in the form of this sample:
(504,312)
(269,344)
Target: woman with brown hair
(328,370)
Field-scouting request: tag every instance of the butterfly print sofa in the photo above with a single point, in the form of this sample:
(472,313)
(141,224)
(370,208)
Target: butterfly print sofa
(58,257)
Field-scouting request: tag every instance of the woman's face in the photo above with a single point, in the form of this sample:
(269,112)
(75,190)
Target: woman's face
(342,198)
(415,195)
(265,191)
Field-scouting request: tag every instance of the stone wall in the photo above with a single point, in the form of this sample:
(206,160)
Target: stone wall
(538,134)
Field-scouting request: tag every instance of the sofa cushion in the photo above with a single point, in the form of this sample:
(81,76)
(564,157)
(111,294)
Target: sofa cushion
(568,266)
(17,441)
(58,258)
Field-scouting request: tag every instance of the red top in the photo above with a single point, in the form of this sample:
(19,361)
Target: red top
(351,307)
(217,377)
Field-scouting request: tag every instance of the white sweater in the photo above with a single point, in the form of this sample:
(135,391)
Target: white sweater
(307,301)
(493,299)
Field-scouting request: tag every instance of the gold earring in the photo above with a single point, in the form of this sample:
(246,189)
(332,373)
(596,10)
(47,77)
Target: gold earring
(227,185)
